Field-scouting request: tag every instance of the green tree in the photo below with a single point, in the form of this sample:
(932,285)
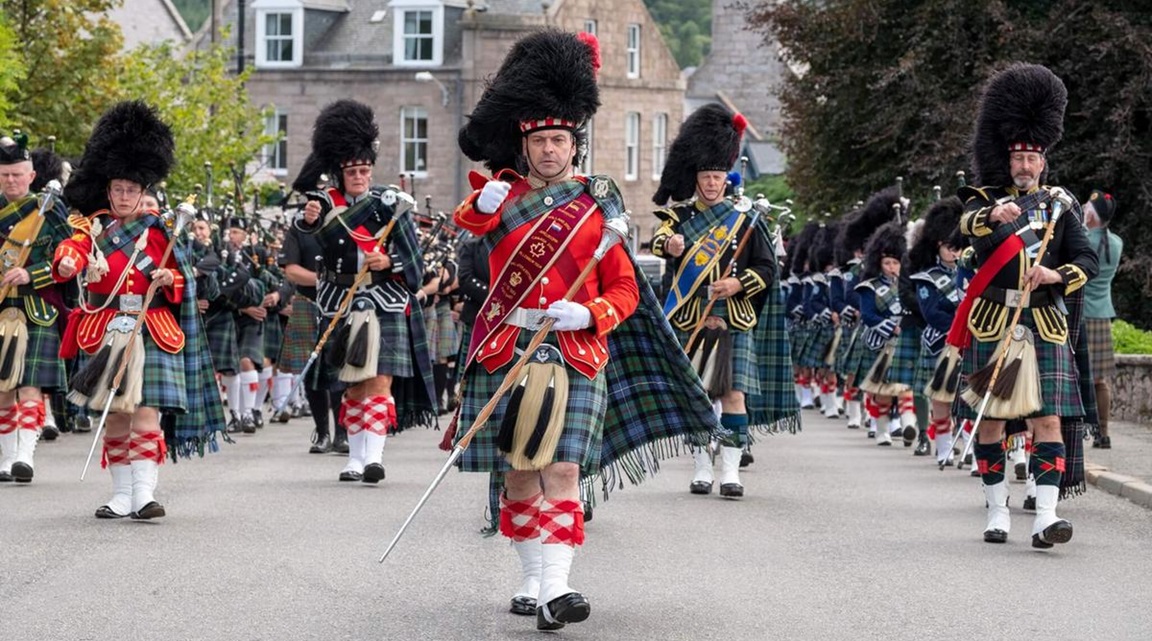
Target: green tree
(686,26)
(11,68)
(69,51)
(206,105)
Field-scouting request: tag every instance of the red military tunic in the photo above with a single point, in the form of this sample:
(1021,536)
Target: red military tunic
(610,292)
(85,330)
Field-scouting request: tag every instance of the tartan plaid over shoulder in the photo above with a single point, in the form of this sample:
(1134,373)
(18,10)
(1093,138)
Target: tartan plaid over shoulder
(775,408)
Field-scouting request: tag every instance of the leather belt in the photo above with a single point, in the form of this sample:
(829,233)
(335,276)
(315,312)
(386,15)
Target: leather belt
(126,303)
(346,280)
(1015,297)
(526,318)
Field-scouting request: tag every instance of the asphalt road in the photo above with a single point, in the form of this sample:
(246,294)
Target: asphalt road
(836,539)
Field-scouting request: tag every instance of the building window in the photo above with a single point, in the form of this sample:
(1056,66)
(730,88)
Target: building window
(590,26)
(276,153)
(659,143)
(633,51)
(418,30)
(631,145)
(414,141)
(586,164)
(278,34)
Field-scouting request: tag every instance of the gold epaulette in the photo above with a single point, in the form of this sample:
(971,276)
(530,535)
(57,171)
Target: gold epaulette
(80,223)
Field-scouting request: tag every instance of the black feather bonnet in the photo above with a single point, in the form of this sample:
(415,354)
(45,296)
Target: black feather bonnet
(345,134)
(886,242)
(709,140)
(1022,109)
(938,226)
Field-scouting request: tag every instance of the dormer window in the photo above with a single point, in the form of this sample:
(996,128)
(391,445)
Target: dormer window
(279,33)
(417,32)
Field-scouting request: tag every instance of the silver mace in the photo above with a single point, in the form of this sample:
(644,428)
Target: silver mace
(184,214)
(615,231)
(1060,200)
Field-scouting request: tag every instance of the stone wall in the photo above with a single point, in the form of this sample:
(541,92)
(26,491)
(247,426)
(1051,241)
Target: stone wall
(1132,388)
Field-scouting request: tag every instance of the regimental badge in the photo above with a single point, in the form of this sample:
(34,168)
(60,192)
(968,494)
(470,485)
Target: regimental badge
(701,259)
(493,311)
(599,187)
(388,198)
(720,233)
(515,279)
(924,293)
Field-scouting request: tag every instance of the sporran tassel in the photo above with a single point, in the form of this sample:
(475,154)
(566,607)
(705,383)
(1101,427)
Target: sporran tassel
(131,390)
(336,351)
(540,416)
(358,347)
(13,346)
(504,438)
(876,381)
(946,377)
(364,346)
(1016,391)
(84,381)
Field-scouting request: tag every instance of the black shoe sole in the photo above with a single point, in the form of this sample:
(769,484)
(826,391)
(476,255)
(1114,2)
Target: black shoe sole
(350,476)
(373,473)
(151,511)
(700,487)
(1058,532)
(732,490)
(22,472)
(105,512)
(570,608)
(995,536)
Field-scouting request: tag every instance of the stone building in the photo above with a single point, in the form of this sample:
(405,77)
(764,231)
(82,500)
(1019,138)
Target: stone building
(150,22)
(742,72)
(421,64)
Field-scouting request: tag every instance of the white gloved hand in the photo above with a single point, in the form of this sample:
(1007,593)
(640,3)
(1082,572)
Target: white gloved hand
(569,316)
(492,196)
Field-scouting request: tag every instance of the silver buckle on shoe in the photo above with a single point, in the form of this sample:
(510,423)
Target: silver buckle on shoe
(131,303)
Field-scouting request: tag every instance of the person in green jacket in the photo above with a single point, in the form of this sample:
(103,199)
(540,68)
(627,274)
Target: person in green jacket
(1098,309)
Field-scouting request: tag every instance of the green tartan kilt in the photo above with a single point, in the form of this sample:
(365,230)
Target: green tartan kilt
(221,334)
(250,341)
(745,373)
(583,434)
(164,386)
(1059,387)
(43,367)
(273,335)
(906,357)
(800,335)
(847,331)
(858,359)
(462,353)
(300,336)
(821,337)
(432,328)
(447,336)
(925,368)
(395,345)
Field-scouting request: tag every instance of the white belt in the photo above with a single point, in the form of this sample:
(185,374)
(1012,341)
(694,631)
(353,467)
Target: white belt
(526,318)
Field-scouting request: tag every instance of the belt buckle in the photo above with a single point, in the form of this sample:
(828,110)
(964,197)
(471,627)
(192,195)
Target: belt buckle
(131,303)
(1013,298)
(534,318)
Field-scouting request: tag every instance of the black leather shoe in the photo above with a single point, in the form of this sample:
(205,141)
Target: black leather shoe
(1058,532)
(49,433)
(373,473)
(283,417)
(5,477)
(923,446)
(258,418)
(909,435)
(351,476)
(523,605)
(21,472)
(233,425)
(340,443)
(82,424)
(995,536)
(152,510)
(746,458)
(247,425)
(700,487)
(105,512)
(321,444)
(570,608)
(587,512)
(731,490)
(1105,443)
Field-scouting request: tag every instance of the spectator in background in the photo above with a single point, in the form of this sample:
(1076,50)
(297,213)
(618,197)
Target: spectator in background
(1098,310)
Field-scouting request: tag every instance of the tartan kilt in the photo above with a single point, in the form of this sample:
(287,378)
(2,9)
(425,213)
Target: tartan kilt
(925,368)
(847,333)
(432,329)
(462,353)
(447,336)
(859,359)
(906,358)
(821,338)
(395,346)
(273,335)
(250,342)
(800,335)
(745,373)
(583,433)
(43,367)
(164,385)
(1059,386)
(221,334)
(1100,347)
(300,336)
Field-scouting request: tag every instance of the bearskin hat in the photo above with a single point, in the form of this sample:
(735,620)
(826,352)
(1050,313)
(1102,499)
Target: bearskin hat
(709,140)
(888,241)
(858,226)
(129,142)
(345,134)
(15,150)
(801,245)
(822,253)
(937,226)
(48,167)
(1022,109)
(547,81)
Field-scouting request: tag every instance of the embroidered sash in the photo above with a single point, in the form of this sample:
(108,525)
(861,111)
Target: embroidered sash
(700,261)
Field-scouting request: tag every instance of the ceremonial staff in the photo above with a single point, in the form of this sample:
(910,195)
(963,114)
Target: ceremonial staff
(615,232)
(184,214)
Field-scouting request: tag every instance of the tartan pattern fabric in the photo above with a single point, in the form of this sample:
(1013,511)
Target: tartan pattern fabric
(1047,463)
(250,341)
(30,415)
(147,446)
(520,520)
(906,358)
(115,451)
(847,332)
(9,419)
(745,377)
(799,336)
(1100,347)
(1059,387)
(43,368)
(820,338)
(350,413)
(375,414)
(396,358)
(447,336)
(462,352)
(774,408)
(221,334)
(580,442)
(300,336)
(990,461)
(413,393)
(562,522)
(859,358)
(273,335)
(432,328)
(925,368)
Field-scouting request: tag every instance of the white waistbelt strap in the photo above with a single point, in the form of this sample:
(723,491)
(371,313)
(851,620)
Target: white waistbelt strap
(526,318)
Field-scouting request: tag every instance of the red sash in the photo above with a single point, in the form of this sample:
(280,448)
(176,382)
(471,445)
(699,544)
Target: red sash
(533,257)
(958,334)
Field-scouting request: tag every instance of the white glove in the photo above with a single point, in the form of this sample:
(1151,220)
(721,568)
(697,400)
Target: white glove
(569,316)
(492,196)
